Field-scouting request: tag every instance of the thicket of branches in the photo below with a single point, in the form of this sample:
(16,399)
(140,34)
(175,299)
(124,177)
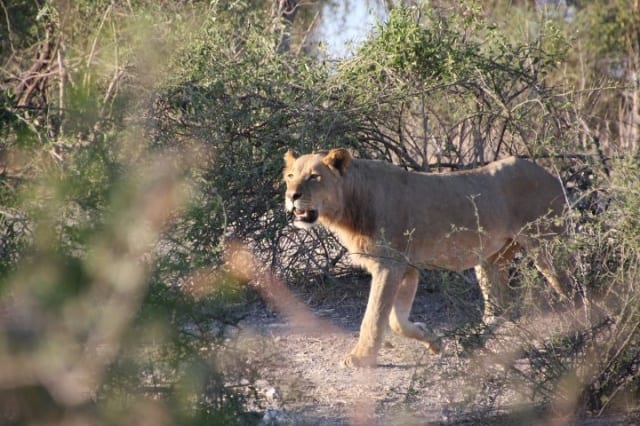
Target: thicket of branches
(139,138)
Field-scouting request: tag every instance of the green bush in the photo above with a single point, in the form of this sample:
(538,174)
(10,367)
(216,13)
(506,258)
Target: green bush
(240,106)
(450,89)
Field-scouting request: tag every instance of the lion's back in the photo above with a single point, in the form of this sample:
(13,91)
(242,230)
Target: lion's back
(530,190)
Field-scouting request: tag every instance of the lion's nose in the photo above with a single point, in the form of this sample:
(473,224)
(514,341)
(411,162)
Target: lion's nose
(294,196)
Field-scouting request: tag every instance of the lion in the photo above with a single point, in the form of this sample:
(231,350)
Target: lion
(393,222)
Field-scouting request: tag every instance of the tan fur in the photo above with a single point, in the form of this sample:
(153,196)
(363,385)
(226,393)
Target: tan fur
(392,220)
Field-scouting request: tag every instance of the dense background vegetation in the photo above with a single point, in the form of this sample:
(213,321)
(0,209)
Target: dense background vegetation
(140,138)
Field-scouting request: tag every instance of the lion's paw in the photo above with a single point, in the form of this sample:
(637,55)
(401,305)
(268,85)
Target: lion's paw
(493,320)
(359,361)
(433,343)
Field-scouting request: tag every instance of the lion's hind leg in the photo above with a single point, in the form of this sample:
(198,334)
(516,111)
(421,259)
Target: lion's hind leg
(493,276)
(543,261)
(399,315)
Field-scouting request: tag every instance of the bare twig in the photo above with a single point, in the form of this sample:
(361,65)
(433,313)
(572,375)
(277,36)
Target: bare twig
(118,73)
(95,40)
(62,71)
(9,31)
(39,71)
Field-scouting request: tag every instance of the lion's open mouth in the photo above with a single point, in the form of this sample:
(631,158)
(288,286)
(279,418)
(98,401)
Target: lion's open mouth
(307,216)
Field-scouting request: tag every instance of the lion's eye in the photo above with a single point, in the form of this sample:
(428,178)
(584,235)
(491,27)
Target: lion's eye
(290,176)
(314,177)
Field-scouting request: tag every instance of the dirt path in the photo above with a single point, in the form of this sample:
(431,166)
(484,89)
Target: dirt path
(303,382)
(312,387)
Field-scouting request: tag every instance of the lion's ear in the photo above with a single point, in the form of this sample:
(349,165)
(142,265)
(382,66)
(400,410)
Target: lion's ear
(289,158)
(339,159)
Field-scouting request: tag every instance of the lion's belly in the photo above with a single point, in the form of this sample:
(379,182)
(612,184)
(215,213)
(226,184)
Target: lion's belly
(457,253)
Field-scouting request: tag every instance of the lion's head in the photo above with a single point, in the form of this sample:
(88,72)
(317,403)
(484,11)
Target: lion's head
(315,185)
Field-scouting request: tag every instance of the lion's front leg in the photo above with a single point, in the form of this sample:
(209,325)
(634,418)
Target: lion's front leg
(399,317)
(384,285)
